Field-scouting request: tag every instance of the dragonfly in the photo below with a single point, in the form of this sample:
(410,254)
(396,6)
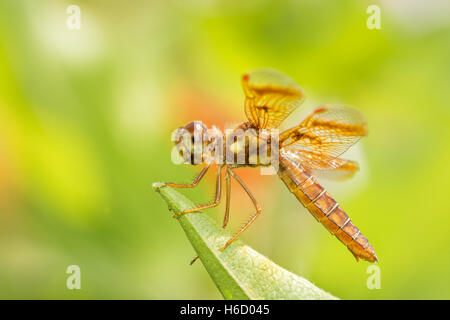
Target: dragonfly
(311,149)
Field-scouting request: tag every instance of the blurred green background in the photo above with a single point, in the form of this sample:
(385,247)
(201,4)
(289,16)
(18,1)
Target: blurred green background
(86,117)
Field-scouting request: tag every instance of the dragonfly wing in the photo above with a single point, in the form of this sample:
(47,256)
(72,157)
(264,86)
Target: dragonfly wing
(328,131)
(323,166)
(345,171)
(270,96)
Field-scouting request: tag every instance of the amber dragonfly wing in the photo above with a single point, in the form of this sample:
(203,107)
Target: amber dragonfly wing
(270,96)
(324,166)
(328,130)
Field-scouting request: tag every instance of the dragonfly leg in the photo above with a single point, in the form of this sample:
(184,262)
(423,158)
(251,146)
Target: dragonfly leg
(217,197)
(193,260)
(255,203)
(192,185)
(227,209)
(228,194)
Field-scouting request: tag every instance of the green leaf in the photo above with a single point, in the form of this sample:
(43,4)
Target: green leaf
(239,272)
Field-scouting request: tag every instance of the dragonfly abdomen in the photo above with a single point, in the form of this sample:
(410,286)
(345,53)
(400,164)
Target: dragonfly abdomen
(325,209)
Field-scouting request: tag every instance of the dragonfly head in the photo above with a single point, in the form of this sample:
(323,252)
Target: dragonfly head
(193,142)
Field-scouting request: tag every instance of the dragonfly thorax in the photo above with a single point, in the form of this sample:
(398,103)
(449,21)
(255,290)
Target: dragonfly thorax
(247,146)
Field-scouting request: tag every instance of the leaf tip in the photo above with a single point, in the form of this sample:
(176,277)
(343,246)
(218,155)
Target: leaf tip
(157,185)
